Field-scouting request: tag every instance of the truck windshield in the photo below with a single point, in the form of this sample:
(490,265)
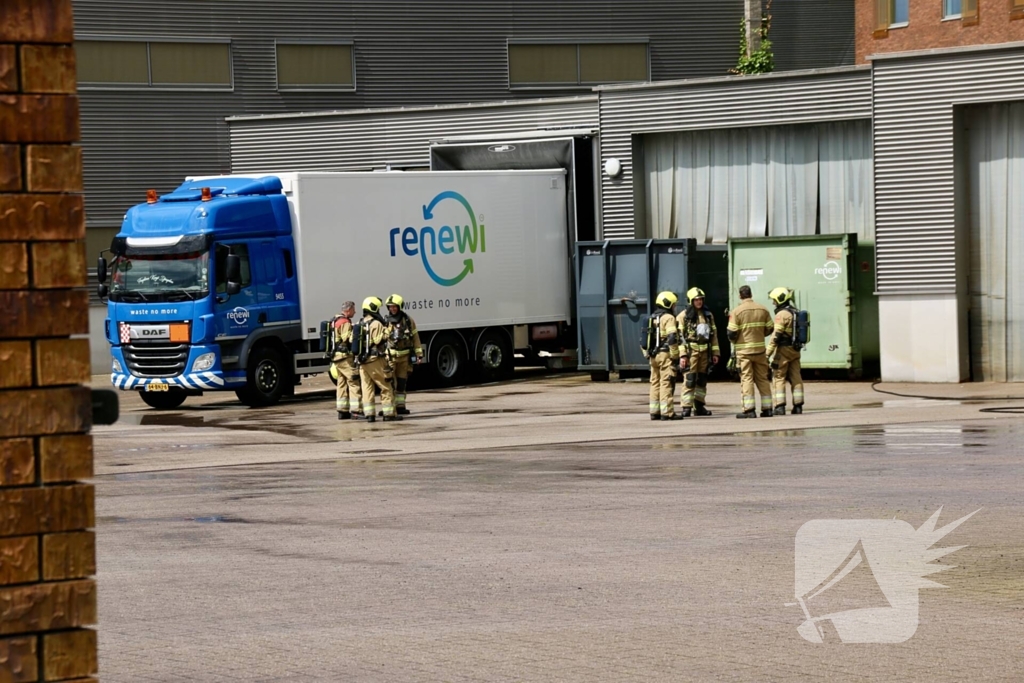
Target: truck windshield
(160,277)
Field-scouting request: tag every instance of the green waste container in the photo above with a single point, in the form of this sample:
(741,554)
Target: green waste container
(833,280)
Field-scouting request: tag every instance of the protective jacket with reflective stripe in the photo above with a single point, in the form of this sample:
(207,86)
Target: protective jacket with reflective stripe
(749,324)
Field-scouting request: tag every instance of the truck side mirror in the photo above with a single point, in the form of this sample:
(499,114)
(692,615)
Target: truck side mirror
(101,269)
(101,290)
(234,274)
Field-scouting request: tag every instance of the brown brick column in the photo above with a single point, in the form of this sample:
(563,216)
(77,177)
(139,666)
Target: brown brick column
(47,551)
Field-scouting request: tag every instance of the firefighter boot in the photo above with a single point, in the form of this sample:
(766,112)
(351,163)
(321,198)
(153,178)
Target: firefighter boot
(700,410)
(344,415)
(781,410)
(767,412)
(746,414)
(671,417)
(392,418)
(370,417)
(655,416)
(798,409)
(402,410)
(687,412)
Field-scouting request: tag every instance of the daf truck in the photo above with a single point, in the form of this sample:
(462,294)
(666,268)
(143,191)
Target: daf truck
(222,284)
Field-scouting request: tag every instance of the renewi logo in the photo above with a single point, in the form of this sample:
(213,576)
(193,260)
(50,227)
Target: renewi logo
(427,241)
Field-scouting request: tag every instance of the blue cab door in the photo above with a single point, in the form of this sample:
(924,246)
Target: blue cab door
(236,316)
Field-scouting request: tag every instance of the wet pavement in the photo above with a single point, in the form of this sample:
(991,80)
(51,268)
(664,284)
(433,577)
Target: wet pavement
(544,530)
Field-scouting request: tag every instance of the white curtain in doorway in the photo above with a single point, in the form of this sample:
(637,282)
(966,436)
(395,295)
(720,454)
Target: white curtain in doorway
(845,176)
(754,182)
(996,177)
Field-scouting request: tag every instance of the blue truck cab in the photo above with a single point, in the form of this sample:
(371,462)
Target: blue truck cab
(203,294)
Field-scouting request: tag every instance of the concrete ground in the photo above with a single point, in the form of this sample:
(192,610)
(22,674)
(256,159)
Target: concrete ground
(545,529)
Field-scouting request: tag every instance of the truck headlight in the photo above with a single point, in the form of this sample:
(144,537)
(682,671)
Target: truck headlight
(204,362)
(115,366)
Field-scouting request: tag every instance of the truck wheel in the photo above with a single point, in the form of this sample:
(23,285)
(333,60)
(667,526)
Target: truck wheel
(447,358)
(494,359)
(267,377)
(163,400)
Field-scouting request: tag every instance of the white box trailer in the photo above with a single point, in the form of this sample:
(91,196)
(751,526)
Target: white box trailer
(482,258)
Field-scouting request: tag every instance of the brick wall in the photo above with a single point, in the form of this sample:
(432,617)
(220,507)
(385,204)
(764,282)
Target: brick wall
(47,551)
(927,30)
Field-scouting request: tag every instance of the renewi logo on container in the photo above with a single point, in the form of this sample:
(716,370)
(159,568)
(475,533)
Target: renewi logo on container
(830,271)
(438,246)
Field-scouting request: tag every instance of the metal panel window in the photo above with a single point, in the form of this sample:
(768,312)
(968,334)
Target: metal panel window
(112,61)
(579,64)
(190,64)
(315,67)
(129,63)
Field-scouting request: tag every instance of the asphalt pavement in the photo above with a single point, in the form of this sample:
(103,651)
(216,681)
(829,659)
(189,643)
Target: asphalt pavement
(545,529)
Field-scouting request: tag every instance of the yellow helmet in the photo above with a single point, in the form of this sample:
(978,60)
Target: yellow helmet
(694,293)
(395,300)
(780,295)
(371,304)
(333,372)
(666,300)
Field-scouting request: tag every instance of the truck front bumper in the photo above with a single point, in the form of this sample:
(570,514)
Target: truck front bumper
(213,379)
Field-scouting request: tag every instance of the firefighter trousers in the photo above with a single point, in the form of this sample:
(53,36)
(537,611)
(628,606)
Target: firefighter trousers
(754,373)
(787,360)
(375,372)
(663,379)
(347,396)
(695,379)
(401,367)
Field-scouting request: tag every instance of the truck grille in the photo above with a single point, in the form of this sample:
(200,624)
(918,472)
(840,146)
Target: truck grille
(156,359)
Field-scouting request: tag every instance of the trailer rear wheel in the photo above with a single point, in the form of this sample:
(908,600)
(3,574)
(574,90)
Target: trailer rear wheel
(267,378)
(163,400)
(447,358)
(494,359)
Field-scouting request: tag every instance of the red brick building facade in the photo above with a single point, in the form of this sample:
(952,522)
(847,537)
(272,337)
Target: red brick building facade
(982,22)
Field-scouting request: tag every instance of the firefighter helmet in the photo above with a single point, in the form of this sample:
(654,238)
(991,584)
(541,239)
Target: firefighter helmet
(371,304)
(395,300)
(694,293)
(666,300)
(780,295)
(333,372)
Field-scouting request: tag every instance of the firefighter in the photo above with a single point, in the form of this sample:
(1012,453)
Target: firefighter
(660,345)
(374,370)
(404,348)
(343,366)
(749,324)
(784,353)
(696,326)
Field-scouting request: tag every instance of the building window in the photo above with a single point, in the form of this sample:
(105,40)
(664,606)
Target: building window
(138,63)
(1016,9)
(890,14)
(950,9)
(576,64)
(315,67)
(900,13)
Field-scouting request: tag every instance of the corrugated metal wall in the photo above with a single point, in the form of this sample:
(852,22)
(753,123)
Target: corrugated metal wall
(776,99)
(812,34)
(406,54)
(362,140)
(917,236)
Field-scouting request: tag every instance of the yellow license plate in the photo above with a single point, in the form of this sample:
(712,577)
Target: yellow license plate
(156,386)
